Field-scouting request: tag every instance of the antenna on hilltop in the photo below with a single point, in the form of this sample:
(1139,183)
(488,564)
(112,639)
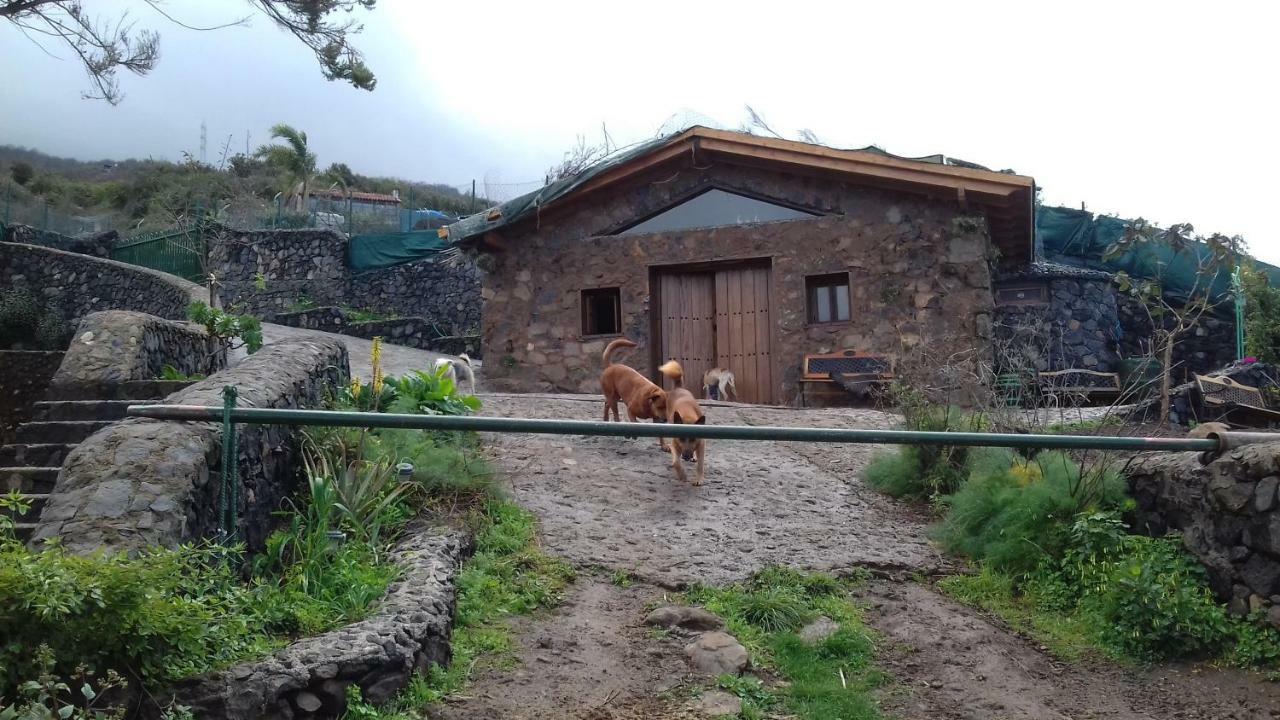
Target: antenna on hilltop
(204,141)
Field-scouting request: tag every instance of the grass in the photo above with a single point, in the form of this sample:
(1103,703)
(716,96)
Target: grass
(508,575)
(1067,636)
(833,679)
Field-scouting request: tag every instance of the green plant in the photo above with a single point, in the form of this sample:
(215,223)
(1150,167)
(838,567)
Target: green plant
(751,690)
(924,472)
(430,393)
(1261,315)
(1014,513)
(359,491)
(364,316)
(773,609)
(224,328)
(19,315)
(621,578)
(302,304)
(49,697)
(169,372)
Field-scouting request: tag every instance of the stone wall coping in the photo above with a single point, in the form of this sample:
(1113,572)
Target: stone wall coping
(114,346)
(193,290)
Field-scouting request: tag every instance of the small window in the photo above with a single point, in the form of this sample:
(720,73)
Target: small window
(828,298)
(602,311)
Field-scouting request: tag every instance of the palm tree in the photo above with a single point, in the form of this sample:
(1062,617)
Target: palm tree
(292,157)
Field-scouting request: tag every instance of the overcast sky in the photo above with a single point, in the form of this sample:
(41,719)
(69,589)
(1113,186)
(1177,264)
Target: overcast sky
(1166,110)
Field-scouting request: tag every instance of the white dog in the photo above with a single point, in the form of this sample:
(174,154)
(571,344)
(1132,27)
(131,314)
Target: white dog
(718,384)
(455,367)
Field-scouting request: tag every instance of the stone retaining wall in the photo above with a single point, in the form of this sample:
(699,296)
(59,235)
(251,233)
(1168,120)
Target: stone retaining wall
(26,375)
(408,633)
(1228,514)
(408,331)
(75,285)
(115,346)
(311,265)
(144,482)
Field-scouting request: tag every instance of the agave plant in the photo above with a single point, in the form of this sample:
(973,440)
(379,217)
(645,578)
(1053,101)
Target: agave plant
(359,491)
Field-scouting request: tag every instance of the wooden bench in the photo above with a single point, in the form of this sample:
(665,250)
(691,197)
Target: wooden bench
(1236,403)
(1085,385)
(863,375)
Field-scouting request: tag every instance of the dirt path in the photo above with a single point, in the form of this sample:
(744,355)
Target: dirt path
(613,504)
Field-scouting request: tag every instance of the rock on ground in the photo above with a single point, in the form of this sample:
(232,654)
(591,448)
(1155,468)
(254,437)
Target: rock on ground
(693,619)
(717,653)
(718,703)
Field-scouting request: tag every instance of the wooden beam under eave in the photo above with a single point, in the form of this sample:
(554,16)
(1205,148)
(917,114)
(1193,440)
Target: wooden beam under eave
(914,176)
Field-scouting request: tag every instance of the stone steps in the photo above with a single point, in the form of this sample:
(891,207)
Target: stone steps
(136,390)
(28,479)
(63,419)
(81,409)
(27,455)
(59,431)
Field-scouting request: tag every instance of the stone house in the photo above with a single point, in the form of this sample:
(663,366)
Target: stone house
(726,249)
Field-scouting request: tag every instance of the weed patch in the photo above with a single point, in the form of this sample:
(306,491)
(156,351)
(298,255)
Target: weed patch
(833,678)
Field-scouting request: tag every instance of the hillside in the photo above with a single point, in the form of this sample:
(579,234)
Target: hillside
(71,196)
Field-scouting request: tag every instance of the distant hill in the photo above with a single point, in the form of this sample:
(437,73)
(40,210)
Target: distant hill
(135,194)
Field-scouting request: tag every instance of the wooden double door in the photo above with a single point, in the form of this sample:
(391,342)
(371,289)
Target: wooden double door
(719,318)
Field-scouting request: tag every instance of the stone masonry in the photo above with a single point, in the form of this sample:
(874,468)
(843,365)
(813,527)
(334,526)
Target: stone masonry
(1228,513)
(919,273)
(145,482)
(408,633)
(79,284)
(26,375)
(311,265)
(408,331)
(115,346)
(1077,328)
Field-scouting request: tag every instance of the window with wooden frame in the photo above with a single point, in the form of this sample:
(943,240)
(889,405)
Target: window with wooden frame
(828,297)
(602,311)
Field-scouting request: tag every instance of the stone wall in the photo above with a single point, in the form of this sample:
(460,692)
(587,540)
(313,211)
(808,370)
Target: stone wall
(408,633)
(75,285)
(145,482)
(116,346)
(26,375)
(919,274)
(408,331)
(311,266)
(1209,346)
(1087,323)
(1077,328)
(1228,514)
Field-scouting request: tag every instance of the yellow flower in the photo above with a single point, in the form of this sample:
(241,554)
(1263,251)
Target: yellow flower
(356,387)
(1026,472)
(376,361)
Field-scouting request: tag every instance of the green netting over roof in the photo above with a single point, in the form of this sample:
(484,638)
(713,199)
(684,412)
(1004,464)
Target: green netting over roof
(529,203)
(1079,238)
(368,252)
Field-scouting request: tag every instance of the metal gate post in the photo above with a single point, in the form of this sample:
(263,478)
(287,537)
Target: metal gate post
(228,519)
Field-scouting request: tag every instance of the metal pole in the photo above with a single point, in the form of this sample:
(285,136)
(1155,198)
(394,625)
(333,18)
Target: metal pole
(230,491)
(272,416)
(1237,287)
(473,195)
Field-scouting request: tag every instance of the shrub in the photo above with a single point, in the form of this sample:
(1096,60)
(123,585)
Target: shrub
(1017,518)
(925,472)
(431,393)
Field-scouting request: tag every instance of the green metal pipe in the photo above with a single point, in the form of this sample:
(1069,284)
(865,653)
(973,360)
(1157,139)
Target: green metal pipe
(271,416)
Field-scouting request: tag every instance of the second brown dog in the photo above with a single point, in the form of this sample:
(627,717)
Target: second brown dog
(683,409)
(644,400)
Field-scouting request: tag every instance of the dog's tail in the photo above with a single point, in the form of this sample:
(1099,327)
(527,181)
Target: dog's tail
(674,372)
(613,347)
(468,371)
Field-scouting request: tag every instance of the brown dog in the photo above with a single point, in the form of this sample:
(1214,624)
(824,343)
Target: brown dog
(644,400)
(683,409)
